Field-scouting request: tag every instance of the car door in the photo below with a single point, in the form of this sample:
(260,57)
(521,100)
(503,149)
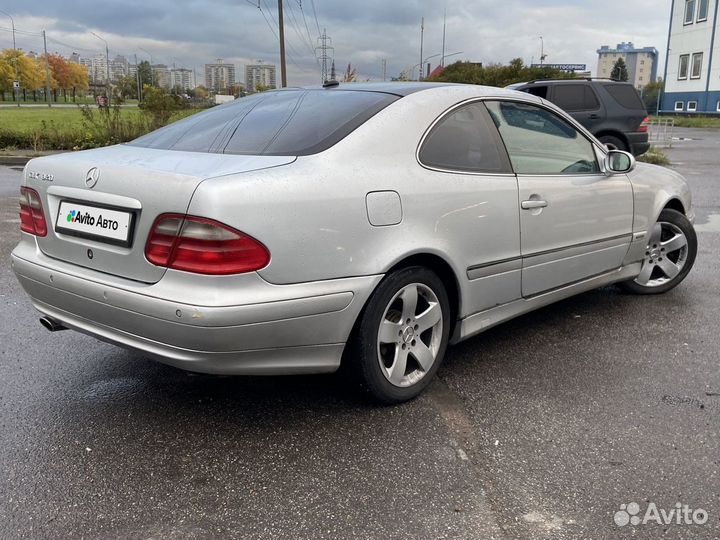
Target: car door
(575,221)
(475,205)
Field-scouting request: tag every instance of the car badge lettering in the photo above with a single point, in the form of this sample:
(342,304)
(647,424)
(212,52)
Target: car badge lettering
(86,219)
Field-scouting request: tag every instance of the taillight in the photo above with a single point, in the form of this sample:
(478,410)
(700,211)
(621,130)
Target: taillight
(203,246)
(32,217)
(644,126)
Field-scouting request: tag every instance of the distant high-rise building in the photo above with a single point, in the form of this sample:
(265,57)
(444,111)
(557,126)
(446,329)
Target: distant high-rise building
(219,75)
(74,58)
(97,68)
(161,76)
(259,74)
(119,68)
(182,78)
(642,64)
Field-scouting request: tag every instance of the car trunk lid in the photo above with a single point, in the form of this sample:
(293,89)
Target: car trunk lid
(122,182)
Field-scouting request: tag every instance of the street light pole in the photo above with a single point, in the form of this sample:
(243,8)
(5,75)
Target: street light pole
(108,89)
(48,95)
(422,37)
(137,76)
(15,90)
(542,50)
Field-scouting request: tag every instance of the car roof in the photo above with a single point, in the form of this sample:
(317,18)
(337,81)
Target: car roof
(403,89)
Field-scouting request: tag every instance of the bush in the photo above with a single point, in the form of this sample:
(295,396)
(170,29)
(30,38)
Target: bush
(655,156)
(159,105)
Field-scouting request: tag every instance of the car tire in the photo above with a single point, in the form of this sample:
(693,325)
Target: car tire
(614,143)
(401,336)
(672,246)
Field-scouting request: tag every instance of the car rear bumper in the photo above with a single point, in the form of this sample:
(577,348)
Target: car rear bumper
(639,143)
(286,329)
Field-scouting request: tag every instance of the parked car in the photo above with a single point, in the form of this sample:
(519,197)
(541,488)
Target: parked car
(371,224)
(610,110)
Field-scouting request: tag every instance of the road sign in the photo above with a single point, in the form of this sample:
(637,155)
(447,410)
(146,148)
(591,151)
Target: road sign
(16,85)
(562,67)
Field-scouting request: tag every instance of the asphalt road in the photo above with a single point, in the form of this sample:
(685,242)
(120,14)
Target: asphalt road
(542,427)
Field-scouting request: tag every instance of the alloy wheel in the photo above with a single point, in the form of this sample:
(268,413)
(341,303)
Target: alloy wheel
(410,335)
(665,255)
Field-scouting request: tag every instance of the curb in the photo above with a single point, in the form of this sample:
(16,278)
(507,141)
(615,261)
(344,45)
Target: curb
(10,161)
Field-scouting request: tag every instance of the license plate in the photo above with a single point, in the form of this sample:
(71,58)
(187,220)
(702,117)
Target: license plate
(94,222)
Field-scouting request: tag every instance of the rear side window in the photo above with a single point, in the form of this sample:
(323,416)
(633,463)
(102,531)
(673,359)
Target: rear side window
(465,140)
(287,122)
(625,95)
(575,97)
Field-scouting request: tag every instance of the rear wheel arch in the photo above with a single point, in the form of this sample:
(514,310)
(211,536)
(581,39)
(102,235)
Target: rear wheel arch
(436,264)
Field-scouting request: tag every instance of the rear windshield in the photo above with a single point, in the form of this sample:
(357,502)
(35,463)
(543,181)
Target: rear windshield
(278,123)
(625,95)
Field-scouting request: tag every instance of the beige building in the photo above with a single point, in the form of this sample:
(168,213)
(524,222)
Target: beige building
(260,74)
(641,64)
(219,75)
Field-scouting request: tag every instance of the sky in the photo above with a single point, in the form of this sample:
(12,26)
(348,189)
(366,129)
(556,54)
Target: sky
(364,32)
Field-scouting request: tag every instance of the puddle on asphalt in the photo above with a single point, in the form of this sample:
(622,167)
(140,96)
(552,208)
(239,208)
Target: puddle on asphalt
(713,224)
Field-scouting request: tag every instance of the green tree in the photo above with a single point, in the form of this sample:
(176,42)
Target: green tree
(145,70)
(650,95)
(159,104)
(126,87)
(619,71)
(498,74)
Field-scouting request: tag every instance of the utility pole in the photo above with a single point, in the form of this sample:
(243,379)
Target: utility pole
(542,50)
(422,37)
(16,82)
(48,97)
(325,45)
(108,89)
(442,60)
(384,68)
(333,75)
(281,26)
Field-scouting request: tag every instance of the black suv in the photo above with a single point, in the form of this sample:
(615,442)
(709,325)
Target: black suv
(610,110)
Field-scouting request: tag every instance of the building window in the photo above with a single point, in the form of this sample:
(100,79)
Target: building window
(696,66)
(679,106)
(692,106)
(689,11)
(683,67)
(717,108)
(703,10)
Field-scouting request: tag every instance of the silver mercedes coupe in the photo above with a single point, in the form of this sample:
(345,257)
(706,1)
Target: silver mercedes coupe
(363,224)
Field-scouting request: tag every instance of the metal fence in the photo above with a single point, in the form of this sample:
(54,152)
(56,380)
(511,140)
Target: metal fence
(661,131)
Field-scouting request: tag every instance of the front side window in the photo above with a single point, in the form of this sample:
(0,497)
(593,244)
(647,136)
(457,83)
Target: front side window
(465,140)
(689,11)
(679,106)
(696,72)
(702,10)
(692,106)
(284,122)
(541,142)
(683,66)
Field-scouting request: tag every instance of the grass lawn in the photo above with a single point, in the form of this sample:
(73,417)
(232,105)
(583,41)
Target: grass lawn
(27,120)
(694,121)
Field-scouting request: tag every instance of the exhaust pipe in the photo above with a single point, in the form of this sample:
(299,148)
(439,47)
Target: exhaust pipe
(52,325)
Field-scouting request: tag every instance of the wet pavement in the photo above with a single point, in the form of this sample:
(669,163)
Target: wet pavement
(542,427)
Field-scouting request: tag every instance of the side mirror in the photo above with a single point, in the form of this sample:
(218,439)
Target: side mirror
(619,162)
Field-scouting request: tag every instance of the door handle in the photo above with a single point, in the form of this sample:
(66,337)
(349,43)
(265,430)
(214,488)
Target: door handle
(594,117)
(533,204)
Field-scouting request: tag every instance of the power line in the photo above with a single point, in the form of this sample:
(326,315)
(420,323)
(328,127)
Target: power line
(297,28)
(307,29)
(312,3)
(272,29)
